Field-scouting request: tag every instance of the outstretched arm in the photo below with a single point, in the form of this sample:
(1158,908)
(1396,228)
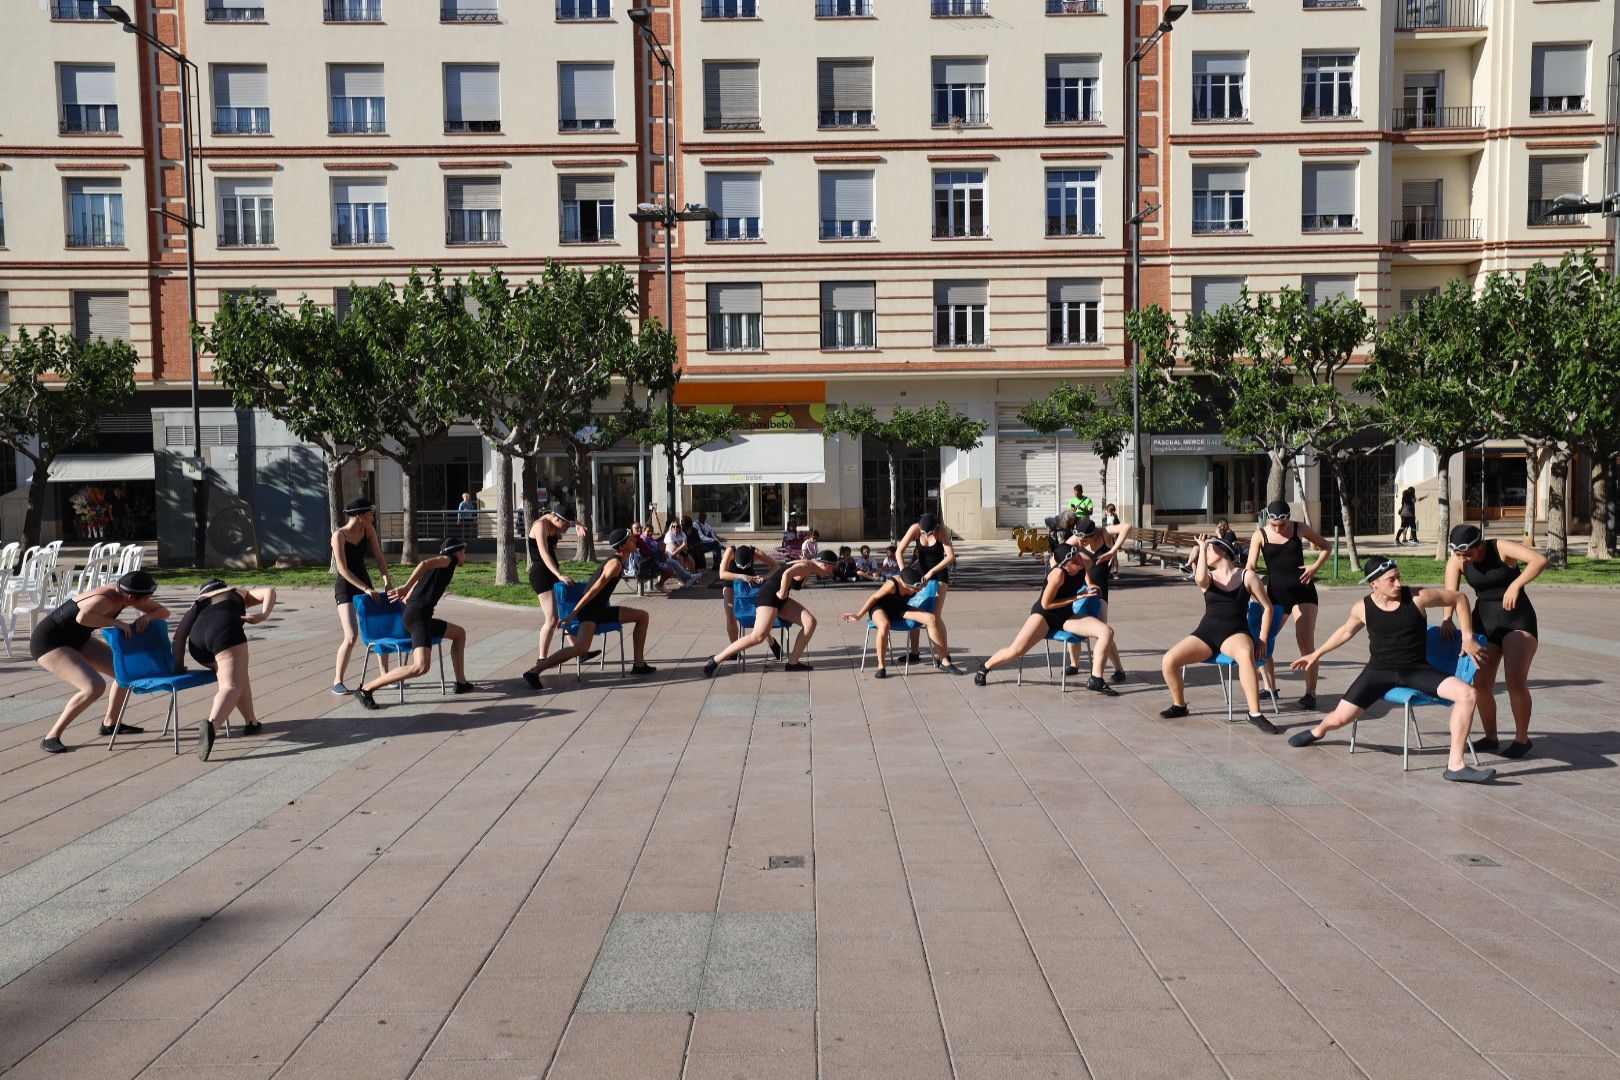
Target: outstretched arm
(1352,626)
(865,610)
(265,597)
(1201,576)
(1257,592)
(377,554)
(1451,598)
(421,571)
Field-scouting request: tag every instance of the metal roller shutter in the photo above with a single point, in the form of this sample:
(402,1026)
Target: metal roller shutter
(730,92)
(587,92)
(848,296)
(844,85)
(1558,71)
(846,196)
(583,188)
(1035,473)
(480,193)
(962,72)
(241,87)
(1552,177)
(349,81)
(1330,190)
(734,195)
(735,299)
(472,92)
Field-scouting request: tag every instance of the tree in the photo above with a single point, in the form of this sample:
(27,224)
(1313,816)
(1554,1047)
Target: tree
(53,389)
(302,369)
(928,427)
(694,429)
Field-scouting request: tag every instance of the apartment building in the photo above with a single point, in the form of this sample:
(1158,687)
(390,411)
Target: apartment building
(916,200)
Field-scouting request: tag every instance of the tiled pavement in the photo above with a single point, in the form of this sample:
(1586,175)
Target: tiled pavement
(994,883)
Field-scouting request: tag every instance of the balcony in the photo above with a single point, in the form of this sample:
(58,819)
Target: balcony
(731,123)
(88,120)
(1449,116)
(353,11)
(1085,116)
(96,238)
(1220,5)
(1440,15)
(1312,5)
(243,239)
(570,123)
(958,9)
(76,10)
(844,118)
(1562,103)
(360,236)
(730,9)
(489,14)
(961,120)
(472,227)
(1074,7)
(1541,214)
(1412,230)
(843,9)
(234,14)
(1330,112)
(1327,223)
(466,127)
(1208,226)
(584,11)
(228,121)
(734,228)
(847,229)
(1216,113)
(356,127)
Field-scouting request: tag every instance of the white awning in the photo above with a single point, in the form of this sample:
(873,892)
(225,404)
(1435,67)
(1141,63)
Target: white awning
(99,468)
(777,457)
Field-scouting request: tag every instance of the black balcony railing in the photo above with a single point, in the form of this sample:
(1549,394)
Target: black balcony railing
(1069,225)
(1090,116)
(353,11)
(462,127)
(1559,103)
(1542,213)
(1206,226)
(846,229)
(947,9)
(1220,5)
(1327,222)
(239,239)
(1074,7)
(571,123)
(730,9)
(234,14)
(358,237)
(96,238)
(1439,14)
(843,9)
(76,10)
(968,119)
(466,227)
(584,10)
(228,121)
(83,119)
(1203,111)
(731,123)
(462,14)
(1327,112)
(1449,116)
(1333,3)
(844,118)
(356,127)
(1406,230)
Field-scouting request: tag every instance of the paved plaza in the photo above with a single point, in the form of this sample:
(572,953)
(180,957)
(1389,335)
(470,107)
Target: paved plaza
(776,876)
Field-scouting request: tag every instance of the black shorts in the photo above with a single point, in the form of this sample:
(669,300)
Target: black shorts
(1496,623)
(1289,595)
(541,579)
(423,628)
(53,634)
(1214,632)
(1373,683)
(344,593)
(598,614)
(1054,618)
(211,636)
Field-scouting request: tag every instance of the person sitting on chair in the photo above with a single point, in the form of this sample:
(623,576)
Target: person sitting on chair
(594,610)
(772,602)
(1228,590)
(421,595)
(213,632)
(891,605)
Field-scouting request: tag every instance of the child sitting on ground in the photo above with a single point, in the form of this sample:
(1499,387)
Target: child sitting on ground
(866,567)
(845,570)
(891,565)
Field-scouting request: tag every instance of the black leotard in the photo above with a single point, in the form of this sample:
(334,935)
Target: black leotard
(61,629)
(771,586)
(1226,612)
(1098,571)
(541,578)
(1397,648)
(930,556)
(600,610)
(354,557)
(419,620)
(214,626)
(893,604)
(1284,564)
(1490,578)
(1067,589)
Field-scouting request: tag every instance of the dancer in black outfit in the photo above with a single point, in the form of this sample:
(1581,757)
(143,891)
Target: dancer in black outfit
(1291,584)
(936,554)
(1102,543)
(1397,633)
(594,609)
(891,604)
(1228,588)
(744,563)
(421,595)
(1498,571)
(544,569)
(351,546)
(62,644)
(772,602)
(212,631)
(1065,583)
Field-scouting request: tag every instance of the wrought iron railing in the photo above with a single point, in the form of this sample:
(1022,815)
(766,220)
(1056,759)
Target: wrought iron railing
(1439,14)
(1407,118)
(1408,230)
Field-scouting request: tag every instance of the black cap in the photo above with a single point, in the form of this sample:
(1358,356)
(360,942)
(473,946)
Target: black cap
(211,585)
(928,523)
(1226,546)
(451,546)
(564,510)
(827,558)
(137,583)
(742,556)
(1464,537)
(1277,510)
(1084,527)
(911,576)
(359,506)
(617,537)
(1378,569)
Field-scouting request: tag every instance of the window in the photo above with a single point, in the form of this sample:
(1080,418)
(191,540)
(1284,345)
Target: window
(1329,198)
(89,98)
(959,204)
(1074,311)
(586,97)
(359,212)
(354,10)
(1551,177)
(256,296)
(1421,99)
(735,315)
(1071,202)
(1327,86)
(241,99)
(1420,211)
(1558,78)
(469,11)
(843,9)
(731,95)
(735,198)
(959,96)
(959,314)
(1074,7)
(945,9)
(1218,86)
(234,11)
(76,10)
(844,93)
(730,9)
(1320,288)
(848,315)
(1072,89)
(587,209)
(1411,298)
(472,98)
(342,299)
(5,314)
(247,215)
(846,205)
(101,315)
(1219,198)
(1213,293)
(358,107)
(582,10)
(1225,5)
(95,213)
(472,210)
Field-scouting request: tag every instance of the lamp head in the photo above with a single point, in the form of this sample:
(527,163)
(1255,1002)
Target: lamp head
(640,16)
(1174,12)
(116,14)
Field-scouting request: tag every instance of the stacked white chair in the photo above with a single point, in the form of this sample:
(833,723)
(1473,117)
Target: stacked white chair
(8,563)
(86,578)
(129,560)
(55,579)
(27,597)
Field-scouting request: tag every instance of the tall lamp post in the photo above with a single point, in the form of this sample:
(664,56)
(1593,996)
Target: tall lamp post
(189,222)
(667,216)
(1139,214)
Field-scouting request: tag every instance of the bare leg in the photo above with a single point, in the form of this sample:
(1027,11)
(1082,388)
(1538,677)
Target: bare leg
(1240,647)
(1102,636)
(351,636)
(457,636)
(1305,637)
(71,667)
(939,608)
(881,621)
(793,611)
(935,626)
(1485,688)
(420,663)
(638,634)
(1033,630)
(1342,714)
(1463,701)
(231,665)
(99,656)
(1189,650)
(1518,650)
(731,613)
(581,646)
(548,621)
(764,619)
(244,683)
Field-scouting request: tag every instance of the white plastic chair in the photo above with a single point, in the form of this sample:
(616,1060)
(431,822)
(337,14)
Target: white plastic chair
(129,560)
(49,557)
(29,598)
(86,578)
(8,563)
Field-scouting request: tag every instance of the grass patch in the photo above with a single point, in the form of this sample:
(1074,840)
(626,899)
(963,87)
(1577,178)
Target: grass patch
(476,579)
(1418,570)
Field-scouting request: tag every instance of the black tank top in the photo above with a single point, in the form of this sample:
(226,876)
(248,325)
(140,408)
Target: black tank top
(1223,604)
(1067,589)
(771,586)
(354,557)
(425,597)
(930,555)
(1490,577)
(1284,561)
(534,549)
(894,605)
(1397,640)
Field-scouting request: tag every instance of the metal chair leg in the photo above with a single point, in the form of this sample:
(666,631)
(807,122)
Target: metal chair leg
(442,689)
(365,662)
(174,710)
(1229,692)
(866,643)
(119,719)
(1406,736)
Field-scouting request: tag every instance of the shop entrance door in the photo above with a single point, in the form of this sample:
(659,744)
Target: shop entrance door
(618,495)
(919,475)
(1494,485)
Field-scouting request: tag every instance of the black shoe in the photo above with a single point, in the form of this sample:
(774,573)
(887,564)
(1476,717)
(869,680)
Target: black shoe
(465,688)
(1267,696)
(1517,750)
(1307,701)
(123,729)
(53,746)
(366,700)
(253,728)
(532,677)
(980,676)
(1303,738)
(881,673)
(205,739)
(798,665)
(776,648)
(913,658)
(1119,677)
(591,655)
(949,667)
(1259,720)
(1070,671)
(1488,743)
(1469,775)
(710,667)
(642,669)
(1174,712)
(1099,686)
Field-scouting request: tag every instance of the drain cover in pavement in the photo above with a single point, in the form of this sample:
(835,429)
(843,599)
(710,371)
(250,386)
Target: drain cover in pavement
(787,862)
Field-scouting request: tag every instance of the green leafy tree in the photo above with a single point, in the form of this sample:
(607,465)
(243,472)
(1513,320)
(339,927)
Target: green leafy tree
(928,427)
(694,429)
(53,389)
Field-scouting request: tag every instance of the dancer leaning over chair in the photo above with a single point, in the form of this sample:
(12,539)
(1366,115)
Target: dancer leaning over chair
(351,544)
(63,645)
(1498,570)
(773,602)
(1102,543)
(1065,583)
(421,595)
(545,571)
(891,605)
(212,630)
(744,563)
(936,554)
(1228,588)
(593,610)
(1291,584)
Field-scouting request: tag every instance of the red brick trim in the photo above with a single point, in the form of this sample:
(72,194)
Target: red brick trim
(359,166)
(1568,144)
(1333,151)
(242,166)
(91,166)
(588,163)
(734,161)
(1077,155)
(1238,152)
(475,165)
(848,159)
(962,157)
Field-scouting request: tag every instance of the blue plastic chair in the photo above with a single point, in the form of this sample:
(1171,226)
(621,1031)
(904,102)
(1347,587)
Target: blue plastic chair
(1445,656)
(144,664)
(744,608)
(1227,667)
(1090,605)
(568,596)
(382,630)
(923,600)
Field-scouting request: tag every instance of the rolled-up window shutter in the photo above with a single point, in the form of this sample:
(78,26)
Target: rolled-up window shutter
(1558,71)
(587,91)
(1552,177)
(472,92)
(474,193)
(844,85)
(357,81)
(1424,193)
(94,187)
(734,299)
(1211,294)
(848,296)
(241,86)
(960,293)
(101,315)
(1073,67)
(1219,177)
(587,188)
(1330,189)
(960,72)
(360,191)
(734,195)
(1322,288)
(1074,291)
(1220,63)
(730,91)
(235,189)
(1421,80)
(846,196)
(84,84)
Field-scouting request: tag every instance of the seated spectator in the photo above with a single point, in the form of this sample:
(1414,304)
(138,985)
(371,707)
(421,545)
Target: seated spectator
(675,546)
(891,565)
(811,546)
(707,542)
(867,566)
(648,563)
(845,569)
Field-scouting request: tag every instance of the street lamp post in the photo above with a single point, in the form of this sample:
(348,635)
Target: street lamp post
(199,493)
(1136,215)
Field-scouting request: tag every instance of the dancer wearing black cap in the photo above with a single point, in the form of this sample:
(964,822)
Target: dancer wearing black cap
(352,544)
(744,562)
(593,609)
(935,556)
(1291,584)
(1101,544)
(892,604)
(1397,636)
(62,644)
(544,569)
(1065,583)
(773,602)
(421,594)
(1228,588)
(1498,571)
(212,631)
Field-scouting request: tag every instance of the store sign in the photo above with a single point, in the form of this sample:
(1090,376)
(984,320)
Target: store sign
(1170,445)
(774,417)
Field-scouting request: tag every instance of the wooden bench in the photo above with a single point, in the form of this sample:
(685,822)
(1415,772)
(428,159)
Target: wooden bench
(1163,546)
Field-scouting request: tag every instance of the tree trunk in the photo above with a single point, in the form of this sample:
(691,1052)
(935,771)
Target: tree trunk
(1104,503)
(334,491)
(410,498)
(505,555)
(1443,525)
(1598,546)
(36,506)
(1304,505)
(1348,523)
(581,457)
(530,489)
(1557,549)
(894,496)
(1277,477)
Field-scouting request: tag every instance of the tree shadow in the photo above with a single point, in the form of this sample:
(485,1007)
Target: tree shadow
(1565,751)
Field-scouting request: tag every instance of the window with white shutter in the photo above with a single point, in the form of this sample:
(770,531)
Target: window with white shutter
(960,314)
(1558,78)
(472,98)
(736,312)
(472,210)
(234,11)
(101,315)
(1213,293)
(585,97)
(1073,89)
(847,205)
(848,315)
(731,95)
(89,94)
(358,106)
(1074,311)
(241,99)
(1327,86)
(1219,90)
(359,212)
(1320,288)
(844,93)
(1329,198)
(247,215)
(1551,177)
(959,92)
(1220,198)
(735,198)
(587,209)
(1420,211)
